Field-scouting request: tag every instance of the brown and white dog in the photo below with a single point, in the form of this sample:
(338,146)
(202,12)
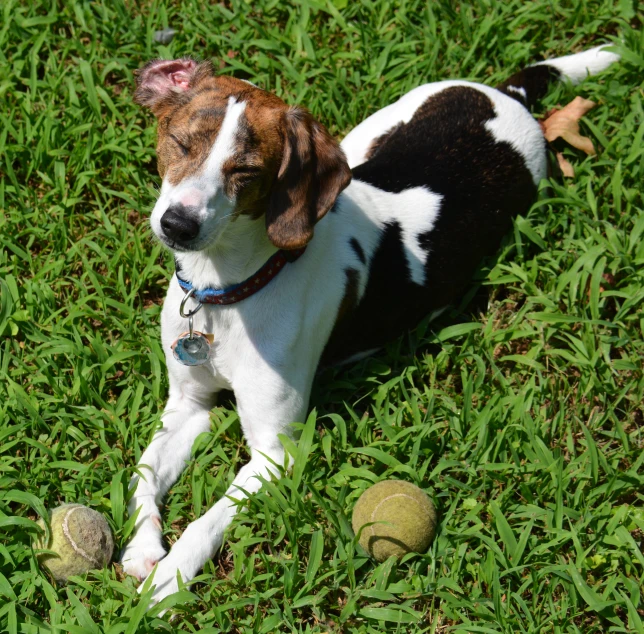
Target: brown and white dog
(394,221)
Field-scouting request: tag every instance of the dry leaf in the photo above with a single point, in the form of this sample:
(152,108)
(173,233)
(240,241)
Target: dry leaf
(565,166)
(564,124)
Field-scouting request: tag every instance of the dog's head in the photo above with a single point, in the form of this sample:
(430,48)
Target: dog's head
(226,148)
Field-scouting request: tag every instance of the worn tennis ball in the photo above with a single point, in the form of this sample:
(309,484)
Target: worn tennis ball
(405,519)
(81,539)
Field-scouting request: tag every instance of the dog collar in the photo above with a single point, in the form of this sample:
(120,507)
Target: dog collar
(248,287)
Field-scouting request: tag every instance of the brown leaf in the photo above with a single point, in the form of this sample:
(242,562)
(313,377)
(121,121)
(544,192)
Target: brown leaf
(565,166)
(564,124)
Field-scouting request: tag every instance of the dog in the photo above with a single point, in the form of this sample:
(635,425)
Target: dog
(294,251)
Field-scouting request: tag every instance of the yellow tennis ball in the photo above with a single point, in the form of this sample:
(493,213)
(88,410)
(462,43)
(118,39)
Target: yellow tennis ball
(81,539)
(405,519)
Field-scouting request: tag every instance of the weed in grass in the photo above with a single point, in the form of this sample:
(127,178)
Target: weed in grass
(523,421)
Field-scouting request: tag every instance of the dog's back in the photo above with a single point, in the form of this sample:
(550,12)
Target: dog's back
(466,159)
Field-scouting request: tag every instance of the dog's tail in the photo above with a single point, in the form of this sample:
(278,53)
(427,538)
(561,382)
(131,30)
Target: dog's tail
(531,84)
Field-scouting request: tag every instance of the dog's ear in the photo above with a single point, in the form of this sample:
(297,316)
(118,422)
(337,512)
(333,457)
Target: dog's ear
(161,81)
(312,174)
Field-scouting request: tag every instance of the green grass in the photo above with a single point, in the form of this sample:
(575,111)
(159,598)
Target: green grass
(523,421)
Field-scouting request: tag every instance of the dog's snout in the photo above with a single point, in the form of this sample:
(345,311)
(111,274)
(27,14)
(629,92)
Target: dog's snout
(178,225)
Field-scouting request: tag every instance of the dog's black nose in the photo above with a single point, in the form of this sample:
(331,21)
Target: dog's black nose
(177,224)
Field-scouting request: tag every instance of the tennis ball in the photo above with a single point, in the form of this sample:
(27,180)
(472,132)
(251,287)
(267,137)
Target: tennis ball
(405,516)
(81,539)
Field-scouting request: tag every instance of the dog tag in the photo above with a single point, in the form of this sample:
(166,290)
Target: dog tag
(192,350)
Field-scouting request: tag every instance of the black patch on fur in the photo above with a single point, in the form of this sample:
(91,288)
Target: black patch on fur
(446,148)
(534,80)
(355,245)
(376,319)
(378,142)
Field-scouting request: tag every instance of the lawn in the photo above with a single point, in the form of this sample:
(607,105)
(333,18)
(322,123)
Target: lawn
(521,417)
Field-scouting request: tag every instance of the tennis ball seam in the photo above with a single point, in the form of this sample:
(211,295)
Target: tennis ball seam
(389,497)
(70,539)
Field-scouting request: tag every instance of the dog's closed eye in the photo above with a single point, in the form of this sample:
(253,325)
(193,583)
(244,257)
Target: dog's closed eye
(184,146)
(241,176)
(245,169)
(245,172)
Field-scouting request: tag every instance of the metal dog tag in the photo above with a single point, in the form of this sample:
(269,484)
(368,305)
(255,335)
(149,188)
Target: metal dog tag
(192,348)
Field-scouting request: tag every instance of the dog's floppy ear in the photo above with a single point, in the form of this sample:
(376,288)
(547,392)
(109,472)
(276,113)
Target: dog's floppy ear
(312,174)
(162,80)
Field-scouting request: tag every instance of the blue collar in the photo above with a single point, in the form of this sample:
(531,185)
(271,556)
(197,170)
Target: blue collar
(248,287)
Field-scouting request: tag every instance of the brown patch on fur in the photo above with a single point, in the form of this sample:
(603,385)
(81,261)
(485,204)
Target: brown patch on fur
(190,122)
(350,299)
(378,142)
(312,174)
(250,172)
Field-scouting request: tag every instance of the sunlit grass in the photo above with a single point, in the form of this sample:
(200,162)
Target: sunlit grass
(522,419)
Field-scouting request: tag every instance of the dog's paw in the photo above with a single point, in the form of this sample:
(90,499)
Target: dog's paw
(140,561)
(188,555)
(143,551)
(164,581)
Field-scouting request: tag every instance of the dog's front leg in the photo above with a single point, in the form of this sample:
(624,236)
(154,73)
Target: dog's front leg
(267,406)
(184,418)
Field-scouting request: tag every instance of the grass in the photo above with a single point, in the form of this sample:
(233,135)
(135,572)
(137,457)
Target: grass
(522,420)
